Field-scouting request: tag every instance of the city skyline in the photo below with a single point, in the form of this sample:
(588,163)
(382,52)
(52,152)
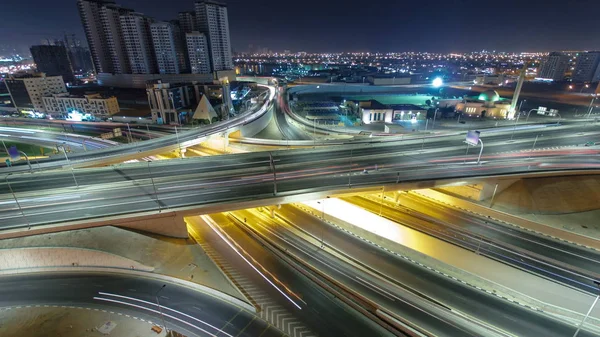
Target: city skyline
(380,27)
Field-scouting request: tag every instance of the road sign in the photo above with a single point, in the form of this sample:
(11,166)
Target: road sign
(472,138)
(14,154)
(107,135)
(542,110)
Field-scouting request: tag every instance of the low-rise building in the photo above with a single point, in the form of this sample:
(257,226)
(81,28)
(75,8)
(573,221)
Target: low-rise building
(487,104)
(27,91)
(174,103)
(375,112)
(94,105)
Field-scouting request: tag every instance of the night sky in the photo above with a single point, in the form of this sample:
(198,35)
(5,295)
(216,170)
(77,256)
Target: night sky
(350,25)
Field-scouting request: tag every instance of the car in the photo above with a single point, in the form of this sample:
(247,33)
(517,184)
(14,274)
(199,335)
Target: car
(590,144)
(365,171)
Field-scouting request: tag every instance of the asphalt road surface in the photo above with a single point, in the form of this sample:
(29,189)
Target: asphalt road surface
(51,197)
(321,311)
(565,263)
(488,308)
(398,301)
(187,311)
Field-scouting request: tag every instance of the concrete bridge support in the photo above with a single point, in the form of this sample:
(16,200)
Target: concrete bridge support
(168,223)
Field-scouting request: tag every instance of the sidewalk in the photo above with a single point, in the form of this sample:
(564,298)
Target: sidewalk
(71,322)
(180,258)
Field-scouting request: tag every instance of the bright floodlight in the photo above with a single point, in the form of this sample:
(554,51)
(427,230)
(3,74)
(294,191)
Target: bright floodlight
(437,82)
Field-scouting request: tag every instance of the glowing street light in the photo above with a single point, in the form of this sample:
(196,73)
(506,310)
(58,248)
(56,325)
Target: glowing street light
(437,82)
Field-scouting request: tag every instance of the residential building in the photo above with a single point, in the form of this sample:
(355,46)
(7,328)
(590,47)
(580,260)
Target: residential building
(140,80)
(27,92)
(212,20)
(138,43)
(96,105)
(587,69)
(168,48)
(173,103)
(187,22)
(198,53)
(53,61)
(554,67)
(81,59)
(102,25)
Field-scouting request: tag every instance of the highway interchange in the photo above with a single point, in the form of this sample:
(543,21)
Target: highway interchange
(49,197)
(395,272)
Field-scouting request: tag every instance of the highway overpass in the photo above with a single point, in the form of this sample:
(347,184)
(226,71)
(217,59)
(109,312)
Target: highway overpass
(170,189)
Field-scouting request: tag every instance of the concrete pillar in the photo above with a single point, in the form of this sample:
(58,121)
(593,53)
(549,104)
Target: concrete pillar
(172,225)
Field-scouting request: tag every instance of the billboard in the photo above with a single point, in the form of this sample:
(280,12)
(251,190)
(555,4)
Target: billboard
(472,138)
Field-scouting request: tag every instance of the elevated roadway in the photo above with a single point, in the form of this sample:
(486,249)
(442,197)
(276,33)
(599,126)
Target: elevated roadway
(51,139)
(206,184)
(181,139)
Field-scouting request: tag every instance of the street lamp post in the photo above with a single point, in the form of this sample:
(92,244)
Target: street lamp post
(69,162)
(27,159)
(5,149)
(521,104)
(533,147)
(591,107)
(589,311)
(178,143)
(129,134)
(16,200)
(526,119)
(322,217)
(160,308)
(154,186)
(515,128)
(350,171)
(480,152)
